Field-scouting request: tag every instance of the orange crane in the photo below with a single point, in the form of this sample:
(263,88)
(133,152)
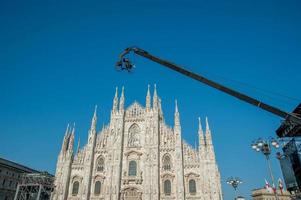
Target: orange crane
(292,119)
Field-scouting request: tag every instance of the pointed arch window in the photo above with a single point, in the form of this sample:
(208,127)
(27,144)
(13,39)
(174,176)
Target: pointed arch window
(132,168)
(167,187)
(97,187)
(100,164)
(75,188)
(192,186)
(166,162)
(134,138)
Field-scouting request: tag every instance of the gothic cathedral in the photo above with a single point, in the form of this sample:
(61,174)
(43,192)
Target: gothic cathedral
(137,156)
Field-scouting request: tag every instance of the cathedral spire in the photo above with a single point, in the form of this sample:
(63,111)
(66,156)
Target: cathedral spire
(148,99)
(115,101)
(208,133)
(67,130)
(155,98)
(78,146)
(207,125)
(66,139)
(121,103)
(92,131)
(73,129)
(202,143)
(160,108)
(177,115)
(71,139)
(201,134)
(94,119)
(209,145)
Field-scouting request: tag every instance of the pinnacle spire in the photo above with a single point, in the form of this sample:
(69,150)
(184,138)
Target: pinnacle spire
(92,131)
(73,129)
(200,126)
(148,99)
(148,91)
(66,139)
(177,114)
(208,134)
(207,125)
(155,98)
(115,101)
(78,145)
(95,112)
(71,142)
(201,134)
(71,139)
(94,119)
(67,130)
(160,106)
(121,103)
(176,109)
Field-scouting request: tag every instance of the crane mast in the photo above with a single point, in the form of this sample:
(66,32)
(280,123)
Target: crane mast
(124,63)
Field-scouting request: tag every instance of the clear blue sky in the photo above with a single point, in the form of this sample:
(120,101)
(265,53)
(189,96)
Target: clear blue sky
(57,61)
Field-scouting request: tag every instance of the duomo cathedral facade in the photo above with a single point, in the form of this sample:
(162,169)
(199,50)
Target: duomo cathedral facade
(137,156)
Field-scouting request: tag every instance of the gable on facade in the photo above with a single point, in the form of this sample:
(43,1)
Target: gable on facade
(135,112)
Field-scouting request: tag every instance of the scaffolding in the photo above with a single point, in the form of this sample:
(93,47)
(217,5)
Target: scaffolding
(35,186)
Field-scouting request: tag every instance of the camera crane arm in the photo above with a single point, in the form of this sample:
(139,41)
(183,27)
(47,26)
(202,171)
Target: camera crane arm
(125,64)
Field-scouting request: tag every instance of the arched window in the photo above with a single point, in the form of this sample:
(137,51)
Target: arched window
(100,164)
(192,186)
(167,187)
(134,139)
(75,188)
(97,188)
(132,168)
(166,162)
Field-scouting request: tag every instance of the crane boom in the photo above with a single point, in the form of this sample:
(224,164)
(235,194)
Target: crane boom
(124,63)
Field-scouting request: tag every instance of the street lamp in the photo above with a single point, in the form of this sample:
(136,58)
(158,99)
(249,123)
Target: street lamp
(234,182)
(264,146)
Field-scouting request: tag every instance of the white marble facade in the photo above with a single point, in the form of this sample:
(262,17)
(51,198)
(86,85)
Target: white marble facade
(137,156)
